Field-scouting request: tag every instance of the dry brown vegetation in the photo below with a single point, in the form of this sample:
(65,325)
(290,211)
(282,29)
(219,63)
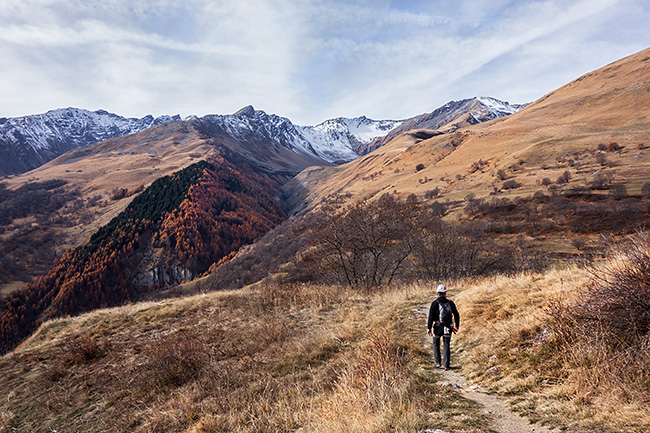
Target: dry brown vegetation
(558,134)
(533,340)
(314,358)
(322,358)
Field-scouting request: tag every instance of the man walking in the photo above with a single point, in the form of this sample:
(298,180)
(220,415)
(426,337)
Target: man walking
(442,316)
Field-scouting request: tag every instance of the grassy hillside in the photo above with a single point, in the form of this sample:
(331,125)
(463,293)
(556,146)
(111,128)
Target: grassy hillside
(312,358)
(595,127)
(89,197)
(278,359)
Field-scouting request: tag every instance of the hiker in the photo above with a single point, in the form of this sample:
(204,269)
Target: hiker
(442,316)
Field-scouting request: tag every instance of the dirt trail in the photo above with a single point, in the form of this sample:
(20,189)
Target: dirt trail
(504,420)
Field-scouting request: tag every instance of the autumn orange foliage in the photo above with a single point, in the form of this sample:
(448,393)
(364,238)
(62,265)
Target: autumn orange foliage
(195,217)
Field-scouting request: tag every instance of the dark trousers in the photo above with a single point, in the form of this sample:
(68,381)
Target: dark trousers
(446,351)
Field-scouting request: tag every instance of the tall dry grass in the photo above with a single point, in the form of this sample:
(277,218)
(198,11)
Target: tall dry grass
(526,341)
(274,359)
(317,359)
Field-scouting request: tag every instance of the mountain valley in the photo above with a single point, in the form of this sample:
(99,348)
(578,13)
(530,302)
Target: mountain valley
(334,233)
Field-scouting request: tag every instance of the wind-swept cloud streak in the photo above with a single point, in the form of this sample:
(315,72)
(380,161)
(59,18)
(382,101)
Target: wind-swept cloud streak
(308,60)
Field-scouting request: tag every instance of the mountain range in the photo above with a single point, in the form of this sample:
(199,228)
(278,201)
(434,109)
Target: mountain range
(473,160)
(28,142)
(302,218)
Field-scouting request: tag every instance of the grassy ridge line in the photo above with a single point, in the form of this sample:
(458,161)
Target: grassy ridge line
(306,358)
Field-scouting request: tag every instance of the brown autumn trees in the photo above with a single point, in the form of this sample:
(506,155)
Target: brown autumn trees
(371,244)
(190,219)
(366,244)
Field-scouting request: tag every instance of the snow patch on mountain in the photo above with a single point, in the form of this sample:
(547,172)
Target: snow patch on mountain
(339,139)
(495,108)
(68,128)
(334,140)
(29,141)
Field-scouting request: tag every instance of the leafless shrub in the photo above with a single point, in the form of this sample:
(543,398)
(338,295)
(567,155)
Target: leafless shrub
(600,182)
(82,349)
(501,174)
(539,197)
(367,244)
(564,178)
(608,327)
(175,360)
(432,193)
(618,191)
(478,165)
(645,190)
(578,243)
(472,208)
(438,209)
(510,184)
(546,181)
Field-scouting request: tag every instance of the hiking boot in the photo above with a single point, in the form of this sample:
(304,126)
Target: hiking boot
(436,365)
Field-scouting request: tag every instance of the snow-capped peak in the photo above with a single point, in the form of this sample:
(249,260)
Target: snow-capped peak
(497,106)
(492,108)
(33,140)
(339,139)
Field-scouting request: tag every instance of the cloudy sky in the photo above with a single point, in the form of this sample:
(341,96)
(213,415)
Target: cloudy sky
(308,60)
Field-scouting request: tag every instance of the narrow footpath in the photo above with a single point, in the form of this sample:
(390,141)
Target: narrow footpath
(504,420)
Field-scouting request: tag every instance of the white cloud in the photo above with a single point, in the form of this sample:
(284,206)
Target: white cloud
(305,59)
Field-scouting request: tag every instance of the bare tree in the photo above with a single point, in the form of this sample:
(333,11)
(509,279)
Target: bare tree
(366,244)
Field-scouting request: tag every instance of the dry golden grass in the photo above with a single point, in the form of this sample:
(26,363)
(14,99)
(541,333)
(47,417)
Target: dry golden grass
(509,344)
(310,359)
(276,359)
(607,105)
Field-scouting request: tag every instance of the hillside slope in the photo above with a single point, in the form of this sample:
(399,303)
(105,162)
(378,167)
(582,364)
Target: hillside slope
(329,360)
(297,358)
(451,116)
(173,231)
(95,183)
(567,130)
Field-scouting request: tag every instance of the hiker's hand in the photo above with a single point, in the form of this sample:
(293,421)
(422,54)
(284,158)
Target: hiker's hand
(454,330)
(428,331)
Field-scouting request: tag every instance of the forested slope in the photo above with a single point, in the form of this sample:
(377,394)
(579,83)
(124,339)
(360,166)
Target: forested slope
(174,231)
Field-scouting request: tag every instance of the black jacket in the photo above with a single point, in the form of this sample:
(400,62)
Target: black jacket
(434,312)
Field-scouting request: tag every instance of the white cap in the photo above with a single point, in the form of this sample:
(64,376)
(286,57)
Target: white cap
(442,289)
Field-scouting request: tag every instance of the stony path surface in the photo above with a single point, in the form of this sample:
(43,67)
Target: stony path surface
(504,420)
